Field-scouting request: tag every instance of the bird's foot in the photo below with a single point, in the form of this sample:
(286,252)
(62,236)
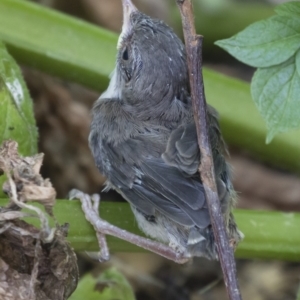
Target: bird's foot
(90,207)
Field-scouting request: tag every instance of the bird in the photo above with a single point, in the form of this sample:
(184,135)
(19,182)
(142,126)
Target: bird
(143,139)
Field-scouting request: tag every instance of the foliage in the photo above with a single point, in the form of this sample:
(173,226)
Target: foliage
(16,111)
(111,284)
(273,46)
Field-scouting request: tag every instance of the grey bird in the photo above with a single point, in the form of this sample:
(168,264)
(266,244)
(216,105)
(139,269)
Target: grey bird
(144,140)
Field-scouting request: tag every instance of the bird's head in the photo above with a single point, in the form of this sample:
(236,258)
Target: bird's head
(151,62)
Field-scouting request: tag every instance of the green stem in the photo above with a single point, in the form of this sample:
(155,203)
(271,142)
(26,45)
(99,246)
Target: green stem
(271,235)
(56,43)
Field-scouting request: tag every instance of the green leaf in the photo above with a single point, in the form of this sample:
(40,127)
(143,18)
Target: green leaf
(273,43)
(265,43)
(276,93)
(291,9)
(16,110)
(110,285)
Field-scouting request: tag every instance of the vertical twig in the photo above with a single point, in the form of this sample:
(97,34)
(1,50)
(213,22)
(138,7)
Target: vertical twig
(193,44)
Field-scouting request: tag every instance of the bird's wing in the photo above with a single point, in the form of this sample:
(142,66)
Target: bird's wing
(150,184)
(166,189)
(182,149)
(183,152)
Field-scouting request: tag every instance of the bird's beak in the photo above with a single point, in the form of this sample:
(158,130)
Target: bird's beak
(128,9)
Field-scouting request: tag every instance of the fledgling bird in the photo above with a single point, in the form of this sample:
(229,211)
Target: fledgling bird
(143,138)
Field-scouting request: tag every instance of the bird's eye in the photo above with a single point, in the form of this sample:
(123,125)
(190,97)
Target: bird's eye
(125,55)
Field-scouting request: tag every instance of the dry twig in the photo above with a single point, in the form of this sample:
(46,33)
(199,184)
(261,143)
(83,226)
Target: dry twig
(193,44)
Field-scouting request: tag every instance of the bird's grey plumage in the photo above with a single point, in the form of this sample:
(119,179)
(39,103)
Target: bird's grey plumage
(144,140)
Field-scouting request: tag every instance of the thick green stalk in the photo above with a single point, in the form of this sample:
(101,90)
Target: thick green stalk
(271,235)
(56,43)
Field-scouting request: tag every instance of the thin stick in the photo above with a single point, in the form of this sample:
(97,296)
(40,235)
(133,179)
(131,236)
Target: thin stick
(193,44)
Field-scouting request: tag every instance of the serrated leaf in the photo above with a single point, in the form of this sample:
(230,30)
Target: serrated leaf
(16,110)
(291,9)
(265,43)
(276,93)
(110,285)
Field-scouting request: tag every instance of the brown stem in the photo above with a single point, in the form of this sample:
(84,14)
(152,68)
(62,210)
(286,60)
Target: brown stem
(193,44)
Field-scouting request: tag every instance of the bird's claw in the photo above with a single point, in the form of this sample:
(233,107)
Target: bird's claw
(90,207)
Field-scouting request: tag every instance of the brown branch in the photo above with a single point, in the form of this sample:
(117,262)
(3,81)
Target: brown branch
(193,44)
